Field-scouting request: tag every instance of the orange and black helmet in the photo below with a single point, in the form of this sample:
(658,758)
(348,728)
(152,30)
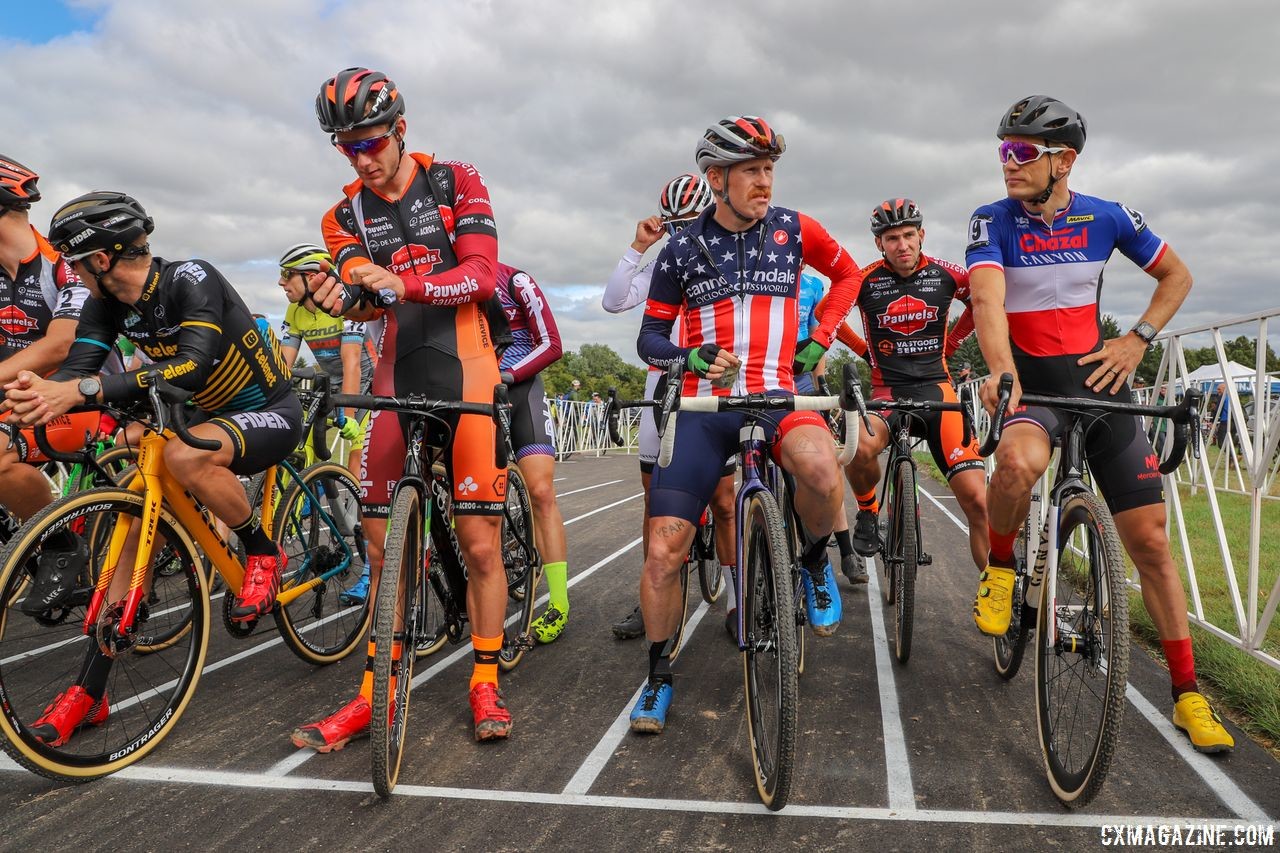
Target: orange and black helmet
(17,184)
(357,97)
(735,139)
(893,212)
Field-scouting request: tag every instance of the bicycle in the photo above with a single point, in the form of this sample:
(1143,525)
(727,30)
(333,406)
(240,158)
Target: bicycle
(156,636)
(702,556)
(417,608)
(1076,599)
(766,634)
(902,544)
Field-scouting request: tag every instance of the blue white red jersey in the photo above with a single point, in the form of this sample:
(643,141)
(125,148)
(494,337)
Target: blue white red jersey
(811,289)
(1053,276)
(740,291)
(535,338)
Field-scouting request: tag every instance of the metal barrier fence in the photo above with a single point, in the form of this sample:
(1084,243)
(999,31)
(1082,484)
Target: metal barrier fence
(581,427)
(1240,460)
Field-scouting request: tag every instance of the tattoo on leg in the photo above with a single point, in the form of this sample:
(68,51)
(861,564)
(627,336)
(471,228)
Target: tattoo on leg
(673,529)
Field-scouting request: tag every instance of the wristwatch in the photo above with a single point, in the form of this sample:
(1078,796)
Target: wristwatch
(1145,330)
(89,388)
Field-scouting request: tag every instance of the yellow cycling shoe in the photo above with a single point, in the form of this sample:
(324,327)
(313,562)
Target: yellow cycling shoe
(1192,714)
(992,608)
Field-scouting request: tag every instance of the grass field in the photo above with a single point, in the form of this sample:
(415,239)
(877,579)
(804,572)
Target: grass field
(1247,689)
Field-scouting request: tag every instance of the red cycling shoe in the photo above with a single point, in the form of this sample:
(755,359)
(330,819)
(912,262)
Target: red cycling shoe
(492,718)
(68,712)
(337,729)
(260,587)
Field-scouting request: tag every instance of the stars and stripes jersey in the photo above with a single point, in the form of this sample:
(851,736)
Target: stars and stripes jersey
(440,238)
(535,338)
(741,291)
(196,330)
(905,319)
(1053,275)
(44,289)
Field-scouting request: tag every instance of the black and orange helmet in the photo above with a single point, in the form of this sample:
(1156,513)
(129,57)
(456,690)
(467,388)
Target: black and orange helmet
(357,97)
(893,212)
(17,184)
(735,139)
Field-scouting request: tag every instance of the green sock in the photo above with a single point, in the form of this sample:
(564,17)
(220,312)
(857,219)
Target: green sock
(558,584)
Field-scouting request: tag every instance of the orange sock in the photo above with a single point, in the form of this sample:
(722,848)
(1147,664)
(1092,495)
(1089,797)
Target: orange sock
(366,683)
(868,501)
(486,659)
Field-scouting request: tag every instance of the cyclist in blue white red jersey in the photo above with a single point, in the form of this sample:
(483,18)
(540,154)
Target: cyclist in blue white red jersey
(811,294)
(1035,264)
(682,199)
(732,277)
(535,344)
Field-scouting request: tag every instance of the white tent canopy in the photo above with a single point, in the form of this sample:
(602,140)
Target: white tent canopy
(1215,373)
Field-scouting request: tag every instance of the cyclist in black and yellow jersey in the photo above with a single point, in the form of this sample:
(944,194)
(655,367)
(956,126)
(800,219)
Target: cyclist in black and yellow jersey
(193,325)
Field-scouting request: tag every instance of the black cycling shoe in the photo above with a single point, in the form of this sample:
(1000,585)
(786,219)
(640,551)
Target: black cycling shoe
(56,574)
(630,627)
(854,568)
(866,534)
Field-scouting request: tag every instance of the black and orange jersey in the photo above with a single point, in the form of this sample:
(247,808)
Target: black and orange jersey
(197,332)
(43,289)
(905,319)
(440,238)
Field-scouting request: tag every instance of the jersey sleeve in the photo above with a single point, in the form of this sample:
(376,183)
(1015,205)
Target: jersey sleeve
(289,335)
(628,285)
(200,303)
(541,325)
(72,294)
(845,333)
(983,249)
(666,300)
(828,257)
(476,247)
(341,238)
(1134,239)
(95,336)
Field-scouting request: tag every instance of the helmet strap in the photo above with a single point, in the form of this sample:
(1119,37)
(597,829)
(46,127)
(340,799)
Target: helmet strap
(724,196)
(1048,189)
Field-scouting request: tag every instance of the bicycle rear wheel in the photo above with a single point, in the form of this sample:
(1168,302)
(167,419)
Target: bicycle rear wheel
(44,653)
(677,639)
(769,660)
(1081,680)
(523,567)
(710,578)
(1010,648)
(904,521)
(394,625)
(317,523)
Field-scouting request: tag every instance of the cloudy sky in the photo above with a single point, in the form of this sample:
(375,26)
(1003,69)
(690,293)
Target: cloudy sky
(578,111)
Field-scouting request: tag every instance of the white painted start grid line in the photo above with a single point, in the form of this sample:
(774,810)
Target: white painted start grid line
(902,794)
(1206,768)
(594,765)
(233,779)
(287,765)
(603,508)
(586,488)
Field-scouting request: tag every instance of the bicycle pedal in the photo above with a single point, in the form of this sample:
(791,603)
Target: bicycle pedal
(924,560)
(524,642)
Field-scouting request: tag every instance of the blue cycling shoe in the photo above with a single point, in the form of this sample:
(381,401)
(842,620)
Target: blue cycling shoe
(358,592)
(822,599)
(650,713)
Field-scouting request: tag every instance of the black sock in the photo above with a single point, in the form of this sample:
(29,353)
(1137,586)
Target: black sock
(252,537)
(1185,687)
(845,543)
(659,663)
(94,672)
(813,550)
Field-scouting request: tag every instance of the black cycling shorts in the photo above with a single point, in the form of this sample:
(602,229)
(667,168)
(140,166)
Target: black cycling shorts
(260,439)
(531,430)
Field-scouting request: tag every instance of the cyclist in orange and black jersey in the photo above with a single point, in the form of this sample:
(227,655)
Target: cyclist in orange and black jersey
(904,302)
(423,232)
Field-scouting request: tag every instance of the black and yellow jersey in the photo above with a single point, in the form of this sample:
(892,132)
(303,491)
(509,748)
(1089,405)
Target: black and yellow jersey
(195,329)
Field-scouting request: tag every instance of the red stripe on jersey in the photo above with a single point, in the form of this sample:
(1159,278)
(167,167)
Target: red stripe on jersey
(1159,255)
(1057,331)
(661,310)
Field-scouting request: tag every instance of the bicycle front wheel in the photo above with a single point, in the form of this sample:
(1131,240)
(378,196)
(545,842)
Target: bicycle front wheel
(904,522)
(395,623)
(523,566)
(318,525)
(46,652)
(1081,679)
(769,660)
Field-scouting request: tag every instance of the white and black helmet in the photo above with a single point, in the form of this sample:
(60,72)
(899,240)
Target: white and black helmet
(735,139)
(684,198)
